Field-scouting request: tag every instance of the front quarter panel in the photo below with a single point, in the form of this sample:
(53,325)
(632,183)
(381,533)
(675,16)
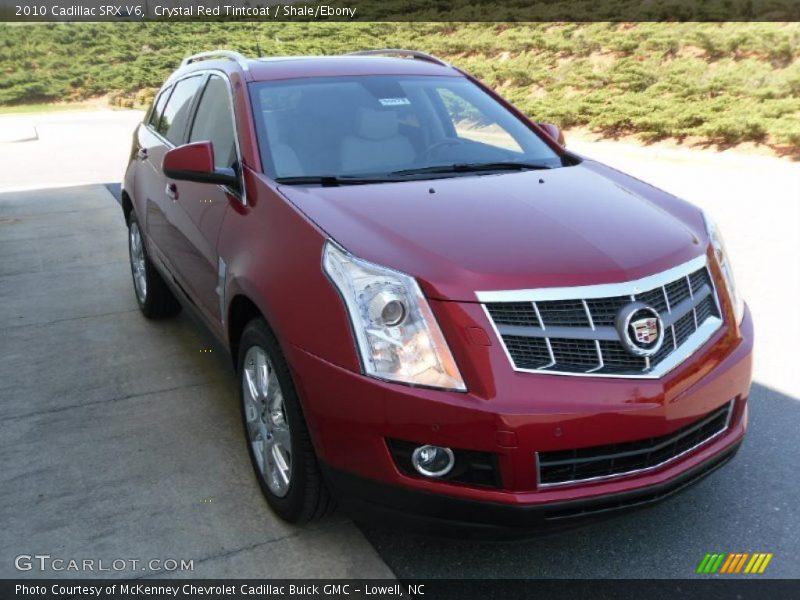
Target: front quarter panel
(274,258)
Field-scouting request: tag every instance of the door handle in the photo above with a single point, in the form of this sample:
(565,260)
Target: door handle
(172,191)
(142,154)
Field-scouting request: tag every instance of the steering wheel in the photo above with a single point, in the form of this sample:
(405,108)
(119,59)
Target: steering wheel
(440,144)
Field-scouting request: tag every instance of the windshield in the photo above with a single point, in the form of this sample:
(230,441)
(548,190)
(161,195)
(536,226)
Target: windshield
(377,126)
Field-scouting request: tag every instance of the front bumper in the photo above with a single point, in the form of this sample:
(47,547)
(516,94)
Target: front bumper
(514,416)
(438,514)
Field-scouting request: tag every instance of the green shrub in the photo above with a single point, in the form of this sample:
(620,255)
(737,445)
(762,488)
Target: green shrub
(726,82)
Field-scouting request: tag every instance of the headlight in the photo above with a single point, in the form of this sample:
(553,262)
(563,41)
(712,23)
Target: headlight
(715,237)
(397,335)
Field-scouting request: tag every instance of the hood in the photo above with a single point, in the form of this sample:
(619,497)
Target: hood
(569,226)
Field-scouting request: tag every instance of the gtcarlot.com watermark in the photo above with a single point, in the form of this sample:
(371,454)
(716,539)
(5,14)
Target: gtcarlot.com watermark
(47,563)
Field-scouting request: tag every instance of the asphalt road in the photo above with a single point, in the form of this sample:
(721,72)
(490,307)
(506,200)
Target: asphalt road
(119,436)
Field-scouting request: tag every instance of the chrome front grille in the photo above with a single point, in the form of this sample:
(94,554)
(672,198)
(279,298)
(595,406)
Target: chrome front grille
(574,330)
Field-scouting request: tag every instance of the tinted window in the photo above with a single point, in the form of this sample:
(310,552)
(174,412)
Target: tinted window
(214,122)
(376,125)
(471,123)
(176,113)
(158,108)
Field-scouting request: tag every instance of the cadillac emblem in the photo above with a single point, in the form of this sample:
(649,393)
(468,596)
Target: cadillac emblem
(640,329)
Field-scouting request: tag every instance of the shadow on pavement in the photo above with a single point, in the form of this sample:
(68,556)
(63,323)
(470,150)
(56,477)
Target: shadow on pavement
(115,189)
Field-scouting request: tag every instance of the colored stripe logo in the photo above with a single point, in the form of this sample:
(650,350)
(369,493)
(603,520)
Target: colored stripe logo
(734,562)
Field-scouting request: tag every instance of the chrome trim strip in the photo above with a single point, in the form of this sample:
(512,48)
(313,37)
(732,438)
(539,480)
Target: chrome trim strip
(600,361)
(602,290)
(588,314)
(635,471)
(731,406)
(673,359)
(715,290)
(604,332)
(538,316)
(222,280)
(546,341)
(549,350)
(694,304)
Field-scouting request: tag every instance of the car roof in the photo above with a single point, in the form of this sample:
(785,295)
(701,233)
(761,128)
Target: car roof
(291,67)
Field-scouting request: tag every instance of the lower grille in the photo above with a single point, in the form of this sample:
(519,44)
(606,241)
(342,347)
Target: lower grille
(610,504)
(565,467)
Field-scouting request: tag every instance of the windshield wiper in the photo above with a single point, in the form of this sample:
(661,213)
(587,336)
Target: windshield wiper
(474,168)
(331,180)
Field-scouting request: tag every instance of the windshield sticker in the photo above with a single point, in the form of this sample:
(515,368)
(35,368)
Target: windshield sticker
(394,101)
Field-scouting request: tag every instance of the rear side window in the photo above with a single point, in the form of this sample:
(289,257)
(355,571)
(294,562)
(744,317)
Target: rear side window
(214,122)
(177,111)
(158,108)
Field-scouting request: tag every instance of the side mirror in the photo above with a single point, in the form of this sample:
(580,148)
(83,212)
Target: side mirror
(554,131)
(195,162)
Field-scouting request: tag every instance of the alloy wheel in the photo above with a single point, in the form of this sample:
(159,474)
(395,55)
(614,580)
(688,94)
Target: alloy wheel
(138,266)
(267,427)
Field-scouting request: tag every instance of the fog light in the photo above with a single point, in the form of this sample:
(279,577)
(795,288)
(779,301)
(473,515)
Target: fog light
(433,461)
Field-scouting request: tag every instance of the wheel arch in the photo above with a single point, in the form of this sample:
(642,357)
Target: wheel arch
(127,205)
(241,311)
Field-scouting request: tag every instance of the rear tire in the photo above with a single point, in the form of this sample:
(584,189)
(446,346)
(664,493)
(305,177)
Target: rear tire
(154,298)
(277,437)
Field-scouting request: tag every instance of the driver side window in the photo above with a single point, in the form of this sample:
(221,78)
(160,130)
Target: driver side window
(214,123)
(470,123)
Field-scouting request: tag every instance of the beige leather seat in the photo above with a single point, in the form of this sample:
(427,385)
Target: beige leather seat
(376,145)
(283,155)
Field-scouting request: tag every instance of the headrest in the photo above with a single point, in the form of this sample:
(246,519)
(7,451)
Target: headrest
(376,124)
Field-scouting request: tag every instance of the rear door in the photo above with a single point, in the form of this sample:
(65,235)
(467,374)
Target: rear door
(167,128)
(148,183)
(200,208)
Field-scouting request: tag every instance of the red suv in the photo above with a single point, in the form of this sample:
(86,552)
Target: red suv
(437,313)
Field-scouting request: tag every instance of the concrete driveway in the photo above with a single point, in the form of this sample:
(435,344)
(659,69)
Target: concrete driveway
(120,437)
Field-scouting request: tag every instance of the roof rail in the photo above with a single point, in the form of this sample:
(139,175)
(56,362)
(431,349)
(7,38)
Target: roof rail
(240,59)
(415,54)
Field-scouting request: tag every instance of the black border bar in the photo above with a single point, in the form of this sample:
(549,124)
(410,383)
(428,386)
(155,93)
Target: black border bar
(399,10)
(741,588)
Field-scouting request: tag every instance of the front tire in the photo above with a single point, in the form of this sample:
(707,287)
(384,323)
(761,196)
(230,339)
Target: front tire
(154,298)
(277,437)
